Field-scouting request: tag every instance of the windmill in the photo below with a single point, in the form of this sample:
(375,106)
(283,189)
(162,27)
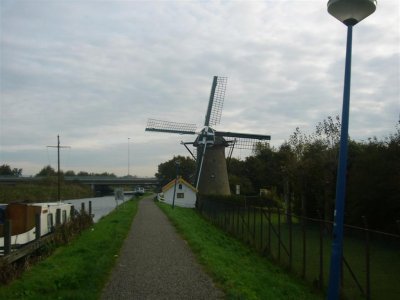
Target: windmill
(211,171)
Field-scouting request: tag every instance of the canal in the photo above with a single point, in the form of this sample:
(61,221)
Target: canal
(101,206)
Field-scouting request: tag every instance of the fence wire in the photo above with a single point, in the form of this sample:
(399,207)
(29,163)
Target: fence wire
(371,259)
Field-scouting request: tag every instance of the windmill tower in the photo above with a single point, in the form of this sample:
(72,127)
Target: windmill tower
(211,169)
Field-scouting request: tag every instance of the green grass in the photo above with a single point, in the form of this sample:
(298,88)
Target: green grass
(238,270)
(384,254)
(80,269)
(45,190)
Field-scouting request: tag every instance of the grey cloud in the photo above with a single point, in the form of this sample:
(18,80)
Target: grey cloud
(93,72)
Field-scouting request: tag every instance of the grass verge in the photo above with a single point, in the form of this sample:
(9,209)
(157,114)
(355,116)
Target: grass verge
(43,191)
(237,269)
(251,226)
(80,269)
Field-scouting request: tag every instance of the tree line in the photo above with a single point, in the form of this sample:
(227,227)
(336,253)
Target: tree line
(5,170)
(48,171)
(302,172)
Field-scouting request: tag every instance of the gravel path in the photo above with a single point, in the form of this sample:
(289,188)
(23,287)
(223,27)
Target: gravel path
(156,263)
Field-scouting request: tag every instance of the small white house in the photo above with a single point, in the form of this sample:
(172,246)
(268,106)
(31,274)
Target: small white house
(185,194)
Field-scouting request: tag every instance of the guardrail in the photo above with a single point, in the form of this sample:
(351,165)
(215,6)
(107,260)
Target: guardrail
(97,180)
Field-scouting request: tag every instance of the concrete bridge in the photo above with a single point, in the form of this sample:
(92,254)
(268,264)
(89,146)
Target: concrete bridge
(100,180)
(91,180)
(100,185)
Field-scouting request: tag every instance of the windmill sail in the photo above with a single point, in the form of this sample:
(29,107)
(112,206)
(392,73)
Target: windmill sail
(243,140)
(252,136)
(216,101)
(211,172)
(170,127)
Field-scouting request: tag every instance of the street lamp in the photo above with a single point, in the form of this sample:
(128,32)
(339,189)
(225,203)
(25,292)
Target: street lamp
(129,156)
(349,12)
(177,163)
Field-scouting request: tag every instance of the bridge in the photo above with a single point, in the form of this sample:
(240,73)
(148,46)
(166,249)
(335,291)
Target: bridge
(100,180)
(90,180)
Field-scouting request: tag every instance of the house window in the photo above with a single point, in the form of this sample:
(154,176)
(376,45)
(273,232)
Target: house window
(180,195)
(180,186)
(64,216)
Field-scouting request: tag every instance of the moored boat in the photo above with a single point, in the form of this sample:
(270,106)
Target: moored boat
(138,191)
(22,217)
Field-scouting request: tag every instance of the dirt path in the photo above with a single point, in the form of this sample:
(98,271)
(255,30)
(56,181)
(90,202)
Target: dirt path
(155,263)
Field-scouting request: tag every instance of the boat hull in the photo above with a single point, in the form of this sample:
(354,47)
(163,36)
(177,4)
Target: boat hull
(22,217)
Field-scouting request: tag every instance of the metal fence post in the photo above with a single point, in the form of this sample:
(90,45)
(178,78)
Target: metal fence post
(219,214)
(279,234)
(228,218)
(82,207)
(367,259)
(37,226)
(269,229)
(248,224)
(58,216)
(398,225)
(216,214)
(290,239)
(321,251)
(90,208)
(222,215)
(238,220)
(254,227)
(72,212)
(7,236)
(225,228)
(242,218)
(304,244)
(261,228)
(232,219)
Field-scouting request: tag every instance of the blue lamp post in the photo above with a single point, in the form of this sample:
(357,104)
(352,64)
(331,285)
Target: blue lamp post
(350,12)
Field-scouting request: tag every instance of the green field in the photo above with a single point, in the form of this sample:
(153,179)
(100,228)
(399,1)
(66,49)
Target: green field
(240,271)
(253,228)
(80,269)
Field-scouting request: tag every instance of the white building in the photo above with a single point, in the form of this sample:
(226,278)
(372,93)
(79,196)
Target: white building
(185,194)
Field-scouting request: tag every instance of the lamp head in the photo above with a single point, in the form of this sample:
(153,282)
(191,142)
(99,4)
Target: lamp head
(350,12)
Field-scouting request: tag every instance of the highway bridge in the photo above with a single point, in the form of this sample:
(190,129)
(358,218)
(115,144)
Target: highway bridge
(90,180)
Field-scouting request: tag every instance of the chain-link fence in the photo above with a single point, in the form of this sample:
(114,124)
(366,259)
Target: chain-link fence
(371,259)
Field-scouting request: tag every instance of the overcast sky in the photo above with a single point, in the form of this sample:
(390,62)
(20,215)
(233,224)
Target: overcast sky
(95,71)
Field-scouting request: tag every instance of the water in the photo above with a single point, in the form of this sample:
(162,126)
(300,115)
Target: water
(101,206)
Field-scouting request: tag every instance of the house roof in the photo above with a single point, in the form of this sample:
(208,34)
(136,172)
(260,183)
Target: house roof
(179,181)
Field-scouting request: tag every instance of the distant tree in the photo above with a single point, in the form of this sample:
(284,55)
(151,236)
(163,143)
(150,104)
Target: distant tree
(311,168)
(303,170)
(373,183)
(167,170)
(130,176)
(69,173)
(17,172)
(5,170)
(105,174)
(83,173)
(245,185)
(47,171)
(236,173)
